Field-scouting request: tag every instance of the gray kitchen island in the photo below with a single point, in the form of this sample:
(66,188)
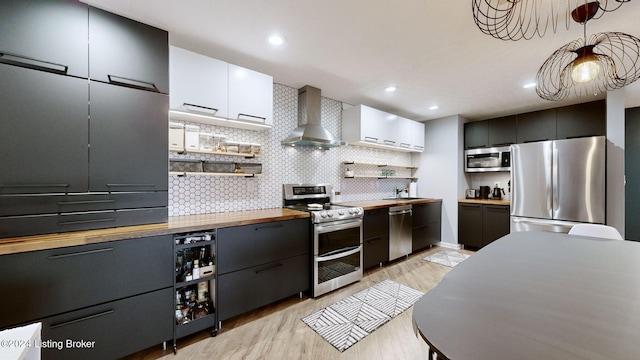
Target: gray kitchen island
(537,295)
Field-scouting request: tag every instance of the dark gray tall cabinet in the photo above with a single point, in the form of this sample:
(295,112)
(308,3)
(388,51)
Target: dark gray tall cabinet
(81,149)
(632,173)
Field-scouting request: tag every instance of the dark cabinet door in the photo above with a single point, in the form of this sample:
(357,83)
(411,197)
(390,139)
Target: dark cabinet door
(49,35)
(470,225)
(476,134)
(632,173)
(536,126)
(111,330)
(502,131)
(248,289)
(425,236)
(241,247)
(375,251)
(580,120)
(375,223)
(128,141)
(43,132)
(427,213)
(128,53)
(80,276)
(495,222)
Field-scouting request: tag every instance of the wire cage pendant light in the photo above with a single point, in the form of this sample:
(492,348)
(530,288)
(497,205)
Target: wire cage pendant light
(585,67)
(524,19)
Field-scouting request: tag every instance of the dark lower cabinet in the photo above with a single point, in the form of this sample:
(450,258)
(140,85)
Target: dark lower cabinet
(111,330)
(247,289)
(426,225)
(375,237)
(470,225)
(91,293)
(481,224)
(262,263)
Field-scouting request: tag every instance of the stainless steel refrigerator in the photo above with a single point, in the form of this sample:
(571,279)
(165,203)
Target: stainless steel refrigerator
(556,184)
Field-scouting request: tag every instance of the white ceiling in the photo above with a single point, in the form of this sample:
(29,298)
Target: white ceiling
(353,49)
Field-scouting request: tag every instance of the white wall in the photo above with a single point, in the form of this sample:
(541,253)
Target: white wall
(440,173)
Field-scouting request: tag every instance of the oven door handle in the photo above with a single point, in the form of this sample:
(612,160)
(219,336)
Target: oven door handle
(339,254)
(343,226)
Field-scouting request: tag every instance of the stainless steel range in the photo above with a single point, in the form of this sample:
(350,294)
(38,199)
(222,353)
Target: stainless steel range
(336,233)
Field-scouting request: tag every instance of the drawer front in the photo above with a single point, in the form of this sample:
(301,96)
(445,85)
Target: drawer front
(12,226)
(424,214)
(375,223)
(375,251)
(242,247)
(425,236)
(245,290)
(148,320)
(44,283)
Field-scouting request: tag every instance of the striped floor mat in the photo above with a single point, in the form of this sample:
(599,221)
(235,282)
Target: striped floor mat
(447,258)
(350,320)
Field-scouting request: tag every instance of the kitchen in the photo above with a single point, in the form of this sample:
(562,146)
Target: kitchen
(282,164)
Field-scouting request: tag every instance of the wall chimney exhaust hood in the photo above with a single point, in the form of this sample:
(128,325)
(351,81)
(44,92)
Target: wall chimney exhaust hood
(310,131)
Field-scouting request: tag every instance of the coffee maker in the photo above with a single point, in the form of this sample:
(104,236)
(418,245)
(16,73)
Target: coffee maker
(485,191)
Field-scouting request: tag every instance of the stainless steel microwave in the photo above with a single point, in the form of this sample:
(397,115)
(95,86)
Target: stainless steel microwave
(487,159)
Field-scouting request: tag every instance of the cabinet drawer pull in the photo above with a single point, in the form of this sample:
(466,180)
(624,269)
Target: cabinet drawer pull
(252,117)
(405,145)
(200,108)
(33,186)
(88,252)
(150,186)
(370,139)
(85,221)
(389,142)
(31,63)
(267,227)
(474,206)
(132,83)
(418,147)
(86,202)
(70,322)
(270,267)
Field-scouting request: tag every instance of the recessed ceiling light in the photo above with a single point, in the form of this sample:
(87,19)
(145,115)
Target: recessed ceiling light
(433,107)
(391,88)
(276,39)
(529,85)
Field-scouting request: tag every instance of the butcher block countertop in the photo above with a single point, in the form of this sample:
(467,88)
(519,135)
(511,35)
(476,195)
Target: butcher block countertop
(176,224)
(485,201)
(384,203)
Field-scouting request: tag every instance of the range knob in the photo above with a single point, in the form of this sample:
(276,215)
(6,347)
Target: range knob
(323,214)
(330,214)
(340,212)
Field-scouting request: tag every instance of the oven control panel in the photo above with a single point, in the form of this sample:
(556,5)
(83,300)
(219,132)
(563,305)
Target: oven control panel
(337,214)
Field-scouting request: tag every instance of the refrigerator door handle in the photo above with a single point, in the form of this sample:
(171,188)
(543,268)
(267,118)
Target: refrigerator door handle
(555,188)
(565,224)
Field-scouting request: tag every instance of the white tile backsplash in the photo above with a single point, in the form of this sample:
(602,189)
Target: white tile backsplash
(281,164)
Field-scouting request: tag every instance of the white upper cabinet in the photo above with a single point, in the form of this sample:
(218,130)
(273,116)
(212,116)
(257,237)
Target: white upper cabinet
(366,126)
(198,83)
(417,135)
(250,95)
(211,91)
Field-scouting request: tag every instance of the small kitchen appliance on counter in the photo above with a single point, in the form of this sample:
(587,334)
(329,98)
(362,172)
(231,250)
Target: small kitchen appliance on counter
(485,191)
(336,233)
(471,193)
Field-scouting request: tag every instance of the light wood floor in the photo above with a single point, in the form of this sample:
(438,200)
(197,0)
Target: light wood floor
(276,331)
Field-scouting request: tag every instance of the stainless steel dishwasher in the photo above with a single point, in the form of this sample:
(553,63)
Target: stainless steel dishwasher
(399,231)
